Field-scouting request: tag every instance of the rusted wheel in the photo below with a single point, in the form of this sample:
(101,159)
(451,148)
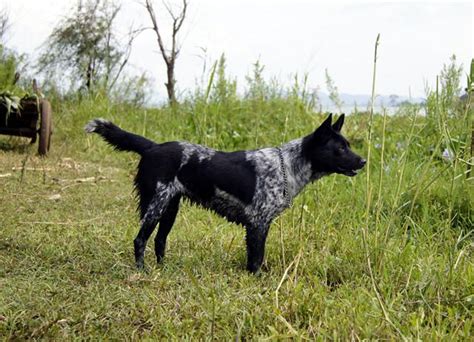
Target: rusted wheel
(46,128)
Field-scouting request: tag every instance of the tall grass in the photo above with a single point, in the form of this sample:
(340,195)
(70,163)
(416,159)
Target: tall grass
(384,255)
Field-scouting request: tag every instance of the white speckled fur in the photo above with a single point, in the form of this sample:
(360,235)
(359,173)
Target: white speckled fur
(91,126)
(189,149)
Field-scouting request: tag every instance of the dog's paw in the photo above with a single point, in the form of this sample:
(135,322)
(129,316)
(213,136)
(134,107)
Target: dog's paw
(140,265)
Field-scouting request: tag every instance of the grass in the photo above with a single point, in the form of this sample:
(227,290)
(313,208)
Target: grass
(68,221)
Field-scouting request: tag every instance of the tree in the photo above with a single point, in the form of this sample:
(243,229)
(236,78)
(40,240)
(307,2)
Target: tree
(4,25)
(169,55)
(85,47)
(393,100)
(10,61)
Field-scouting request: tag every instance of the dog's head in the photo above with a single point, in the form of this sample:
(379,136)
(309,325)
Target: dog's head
(329,152)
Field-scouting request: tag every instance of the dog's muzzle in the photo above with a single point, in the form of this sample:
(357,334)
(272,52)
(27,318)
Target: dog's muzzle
(355,171)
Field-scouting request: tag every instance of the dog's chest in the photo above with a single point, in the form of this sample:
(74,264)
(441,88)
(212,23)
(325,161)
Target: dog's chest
(269,190)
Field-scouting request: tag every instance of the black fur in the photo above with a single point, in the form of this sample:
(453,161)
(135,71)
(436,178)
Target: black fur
(227,171)
(246,187)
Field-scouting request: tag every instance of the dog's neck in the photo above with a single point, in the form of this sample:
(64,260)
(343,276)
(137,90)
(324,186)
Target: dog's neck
(297,167)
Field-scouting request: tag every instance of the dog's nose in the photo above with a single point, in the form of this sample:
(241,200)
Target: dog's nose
(363,162)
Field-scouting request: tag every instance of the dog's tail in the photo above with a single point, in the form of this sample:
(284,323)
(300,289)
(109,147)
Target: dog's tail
(117,137)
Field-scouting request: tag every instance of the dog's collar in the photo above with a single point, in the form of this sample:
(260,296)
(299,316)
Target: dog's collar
(286,196)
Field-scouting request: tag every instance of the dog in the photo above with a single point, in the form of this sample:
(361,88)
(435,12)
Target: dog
(249,187)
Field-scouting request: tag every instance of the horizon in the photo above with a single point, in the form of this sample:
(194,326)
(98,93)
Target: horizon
(407,62)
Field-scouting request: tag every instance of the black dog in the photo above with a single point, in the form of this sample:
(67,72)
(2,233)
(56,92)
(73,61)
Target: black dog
(247,187)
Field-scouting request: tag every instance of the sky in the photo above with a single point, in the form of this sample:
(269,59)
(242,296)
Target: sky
(288,37)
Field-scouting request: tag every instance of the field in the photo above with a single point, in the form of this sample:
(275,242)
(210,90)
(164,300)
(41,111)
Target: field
(388,255)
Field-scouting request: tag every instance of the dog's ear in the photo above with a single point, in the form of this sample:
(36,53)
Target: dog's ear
(324,129)
(328,120)
(327,123)
(338,124)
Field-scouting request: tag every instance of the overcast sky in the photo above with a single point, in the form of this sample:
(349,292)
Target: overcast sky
(288,36)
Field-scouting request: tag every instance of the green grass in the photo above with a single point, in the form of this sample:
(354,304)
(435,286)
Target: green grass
(68,221)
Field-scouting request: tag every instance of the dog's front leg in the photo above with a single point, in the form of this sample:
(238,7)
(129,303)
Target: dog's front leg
(159,204)
(255,238)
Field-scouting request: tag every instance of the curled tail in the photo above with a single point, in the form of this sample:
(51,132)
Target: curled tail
(117,137)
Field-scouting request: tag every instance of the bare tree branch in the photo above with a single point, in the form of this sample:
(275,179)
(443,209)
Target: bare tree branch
(168,8)
(4,24)
(151,12)
(182,15)
(168,56)
(132,35)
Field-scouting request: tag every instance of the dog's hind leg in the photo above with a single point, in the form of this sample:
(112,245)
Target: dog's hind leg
(159,204)
(166,223)
(255,238)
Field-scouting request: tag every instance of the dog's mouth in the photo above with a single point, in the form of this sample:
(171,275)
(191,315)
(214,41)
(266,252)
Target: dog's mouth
(349,172)
(352,170)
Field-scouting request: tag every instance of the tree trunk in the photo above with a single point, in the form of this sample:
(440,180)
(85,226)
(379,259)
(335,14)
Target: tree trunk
(169,57)
(89,77)
(171,83)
